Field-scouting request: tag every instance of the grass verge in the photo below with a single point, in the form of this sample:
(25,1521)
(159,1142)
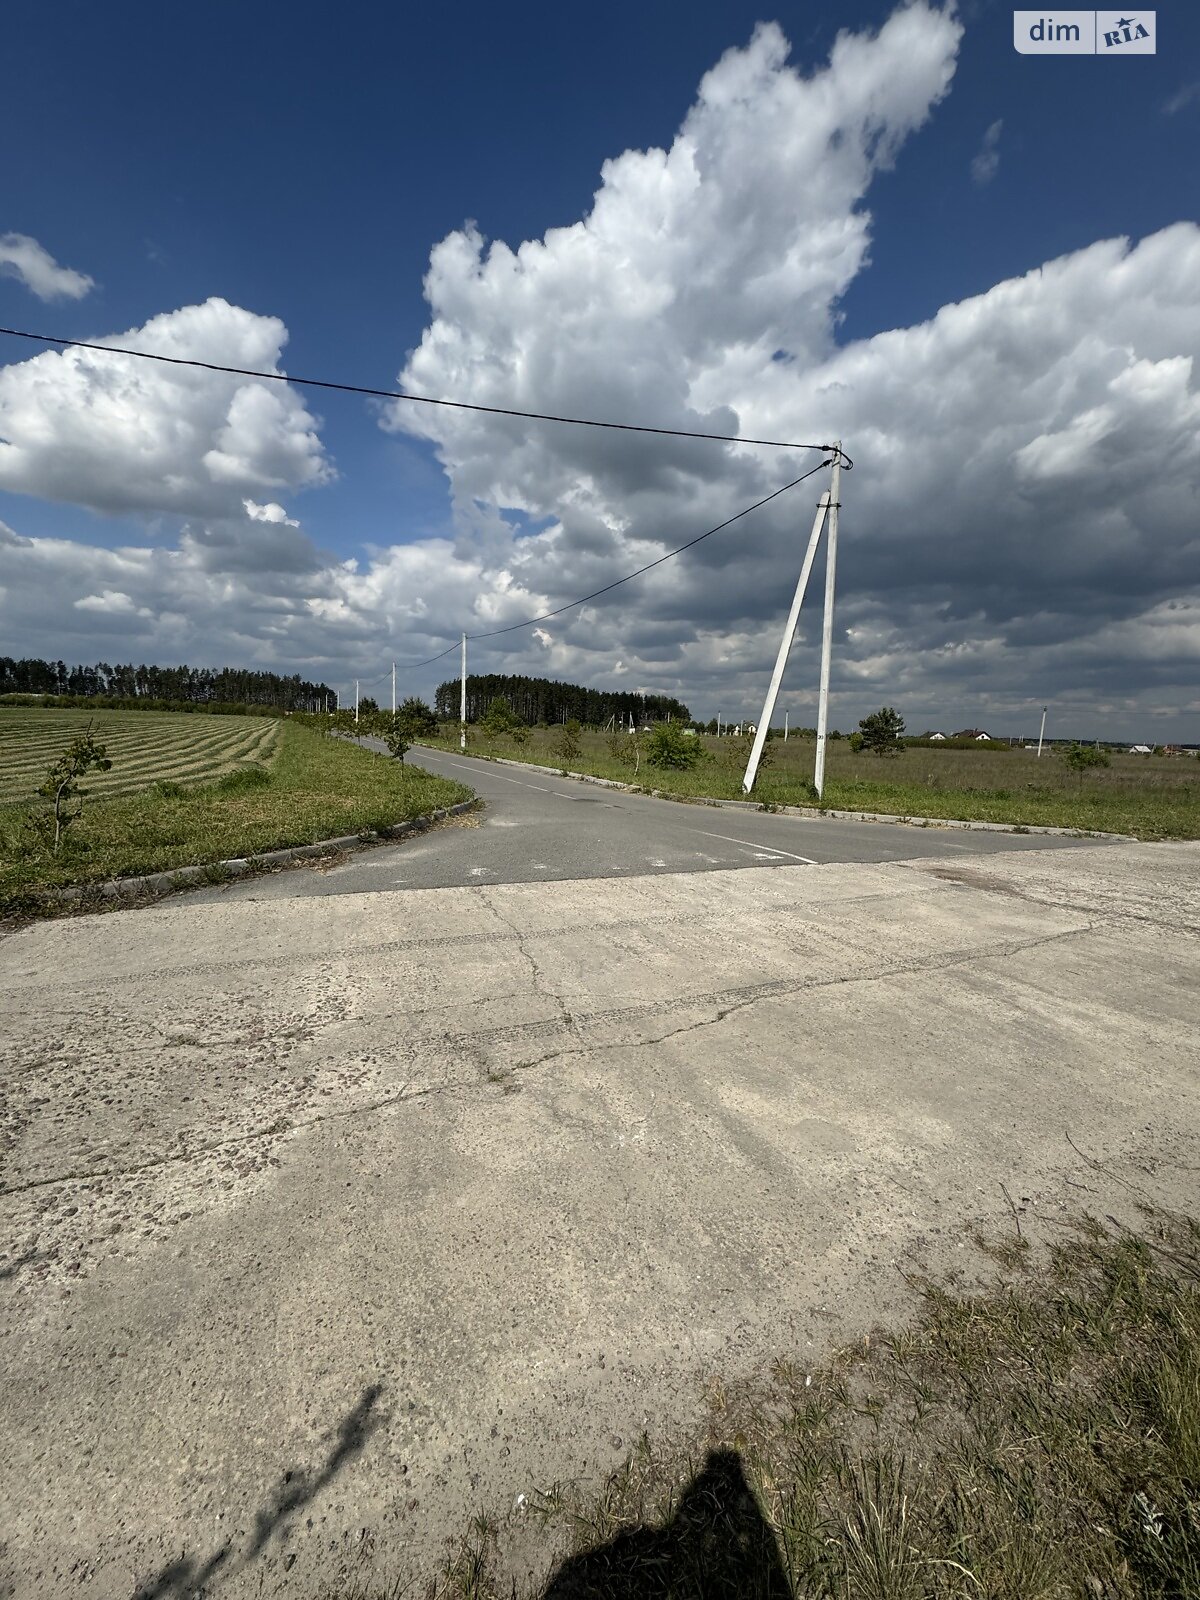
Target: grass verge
(1150,799)
(1035,1442)
(314,788)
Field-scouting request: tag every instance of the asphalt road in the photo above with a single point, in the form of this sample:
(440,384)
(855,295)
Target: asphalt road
(536,827)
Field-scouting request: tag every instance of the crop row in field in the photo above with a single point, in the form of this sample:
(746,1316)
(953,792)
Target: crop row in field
(144,748)
(313,789)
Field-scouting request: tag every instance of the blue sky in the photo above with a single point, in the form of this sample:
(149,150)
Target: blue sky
(304,171)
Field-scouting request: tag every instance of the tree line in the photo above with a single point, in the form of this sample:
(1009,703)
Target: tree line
(536,700)
(195,685)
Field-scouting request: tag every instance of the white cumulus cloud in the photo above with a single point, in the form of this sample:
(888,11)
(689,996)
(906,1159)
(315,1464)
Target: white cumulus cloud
(1026,459)
(117,434)
(271,512)
(25,259)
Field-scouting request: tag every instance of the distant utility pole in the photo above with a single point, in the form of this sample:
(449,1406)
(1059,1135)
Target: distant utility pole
(785,727)
(393,688)
(462,704)
(1042,734)
(356,702)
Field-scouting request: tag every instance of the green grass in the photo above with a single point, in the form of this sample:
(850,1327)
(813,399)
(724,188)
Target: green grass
(1038,1441)
(1151,798)
(313,788)
(144,747)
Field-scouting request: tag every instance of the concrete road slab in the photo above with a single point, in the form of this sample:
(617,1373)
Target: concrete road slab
(362,1212)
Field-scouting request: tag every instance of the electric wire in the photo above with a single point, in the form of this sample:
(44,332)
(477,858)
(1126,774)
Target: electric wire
(834,452)
(415,399)
(545,616)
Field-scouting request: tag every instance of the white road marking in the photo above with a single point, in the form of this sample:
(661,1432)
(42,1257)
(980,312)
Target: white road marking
(757,846)
(473,766)
(477,872)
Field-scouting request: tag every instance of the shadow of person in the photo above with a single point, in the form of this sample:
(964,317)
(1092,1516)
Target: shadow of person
(717,1544)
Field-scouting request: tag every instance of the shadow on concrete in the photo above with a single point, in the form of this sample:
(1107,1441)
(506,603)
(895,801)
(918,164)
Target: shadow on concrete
(11,1268)
(188,1576)
(717,1545)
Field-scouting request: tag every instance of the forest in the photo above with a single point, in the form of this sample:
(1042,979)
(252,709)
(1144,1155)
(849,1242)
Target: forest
(197,685)
(537,700)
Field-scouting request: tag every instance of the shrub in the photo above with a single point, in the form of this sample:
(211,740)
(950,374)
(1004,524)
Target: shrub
(669,746)
(499,719)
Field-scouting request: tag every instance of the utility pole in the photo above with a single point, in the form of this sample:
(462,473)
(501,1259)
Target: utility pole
(356,702)
(827,628)
(462,704)
(785,644)
(393,688)
(785,727)
(1042,734)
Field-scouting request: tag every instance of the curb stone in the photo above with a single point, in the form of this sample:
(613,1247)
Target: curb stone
(803,811)
(238,866)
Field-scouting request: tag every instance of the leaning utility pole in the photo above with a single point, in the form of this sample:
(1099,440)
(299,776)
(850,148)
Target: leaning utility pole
(785,644)
(356,702)
(462,705)
(827,629)
(827,506)
(1042,734)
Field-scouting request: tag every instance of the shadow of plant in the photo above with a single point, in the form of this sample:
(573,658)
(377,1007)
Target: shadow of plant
(188,1576)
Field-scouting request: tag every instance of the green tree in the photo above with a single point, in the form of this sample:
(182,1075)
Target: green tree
(881,731)
(627,749)
(397,734)
(566,746)
(670,746)
(418,716)
(1082,757)
(499,718)
(61,784)
(367,705)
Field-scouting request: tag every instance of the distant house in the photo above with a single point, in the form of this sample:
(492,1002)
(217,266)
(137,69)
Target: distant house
(1140,750)
(971,733)
(933,736)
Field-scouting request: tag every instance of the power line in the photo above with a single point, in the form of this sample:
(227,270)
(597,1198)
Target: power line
(416,399)
(545,616)
(570,606)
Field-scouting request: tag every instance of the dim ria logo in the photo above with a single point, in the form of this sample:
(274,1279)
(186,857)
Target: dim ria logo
(1084,33)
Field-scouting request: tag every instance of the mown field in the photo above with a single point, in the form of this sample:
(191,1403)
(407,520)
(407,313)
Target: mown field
(144,747)
(170,813)
(1155,797)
